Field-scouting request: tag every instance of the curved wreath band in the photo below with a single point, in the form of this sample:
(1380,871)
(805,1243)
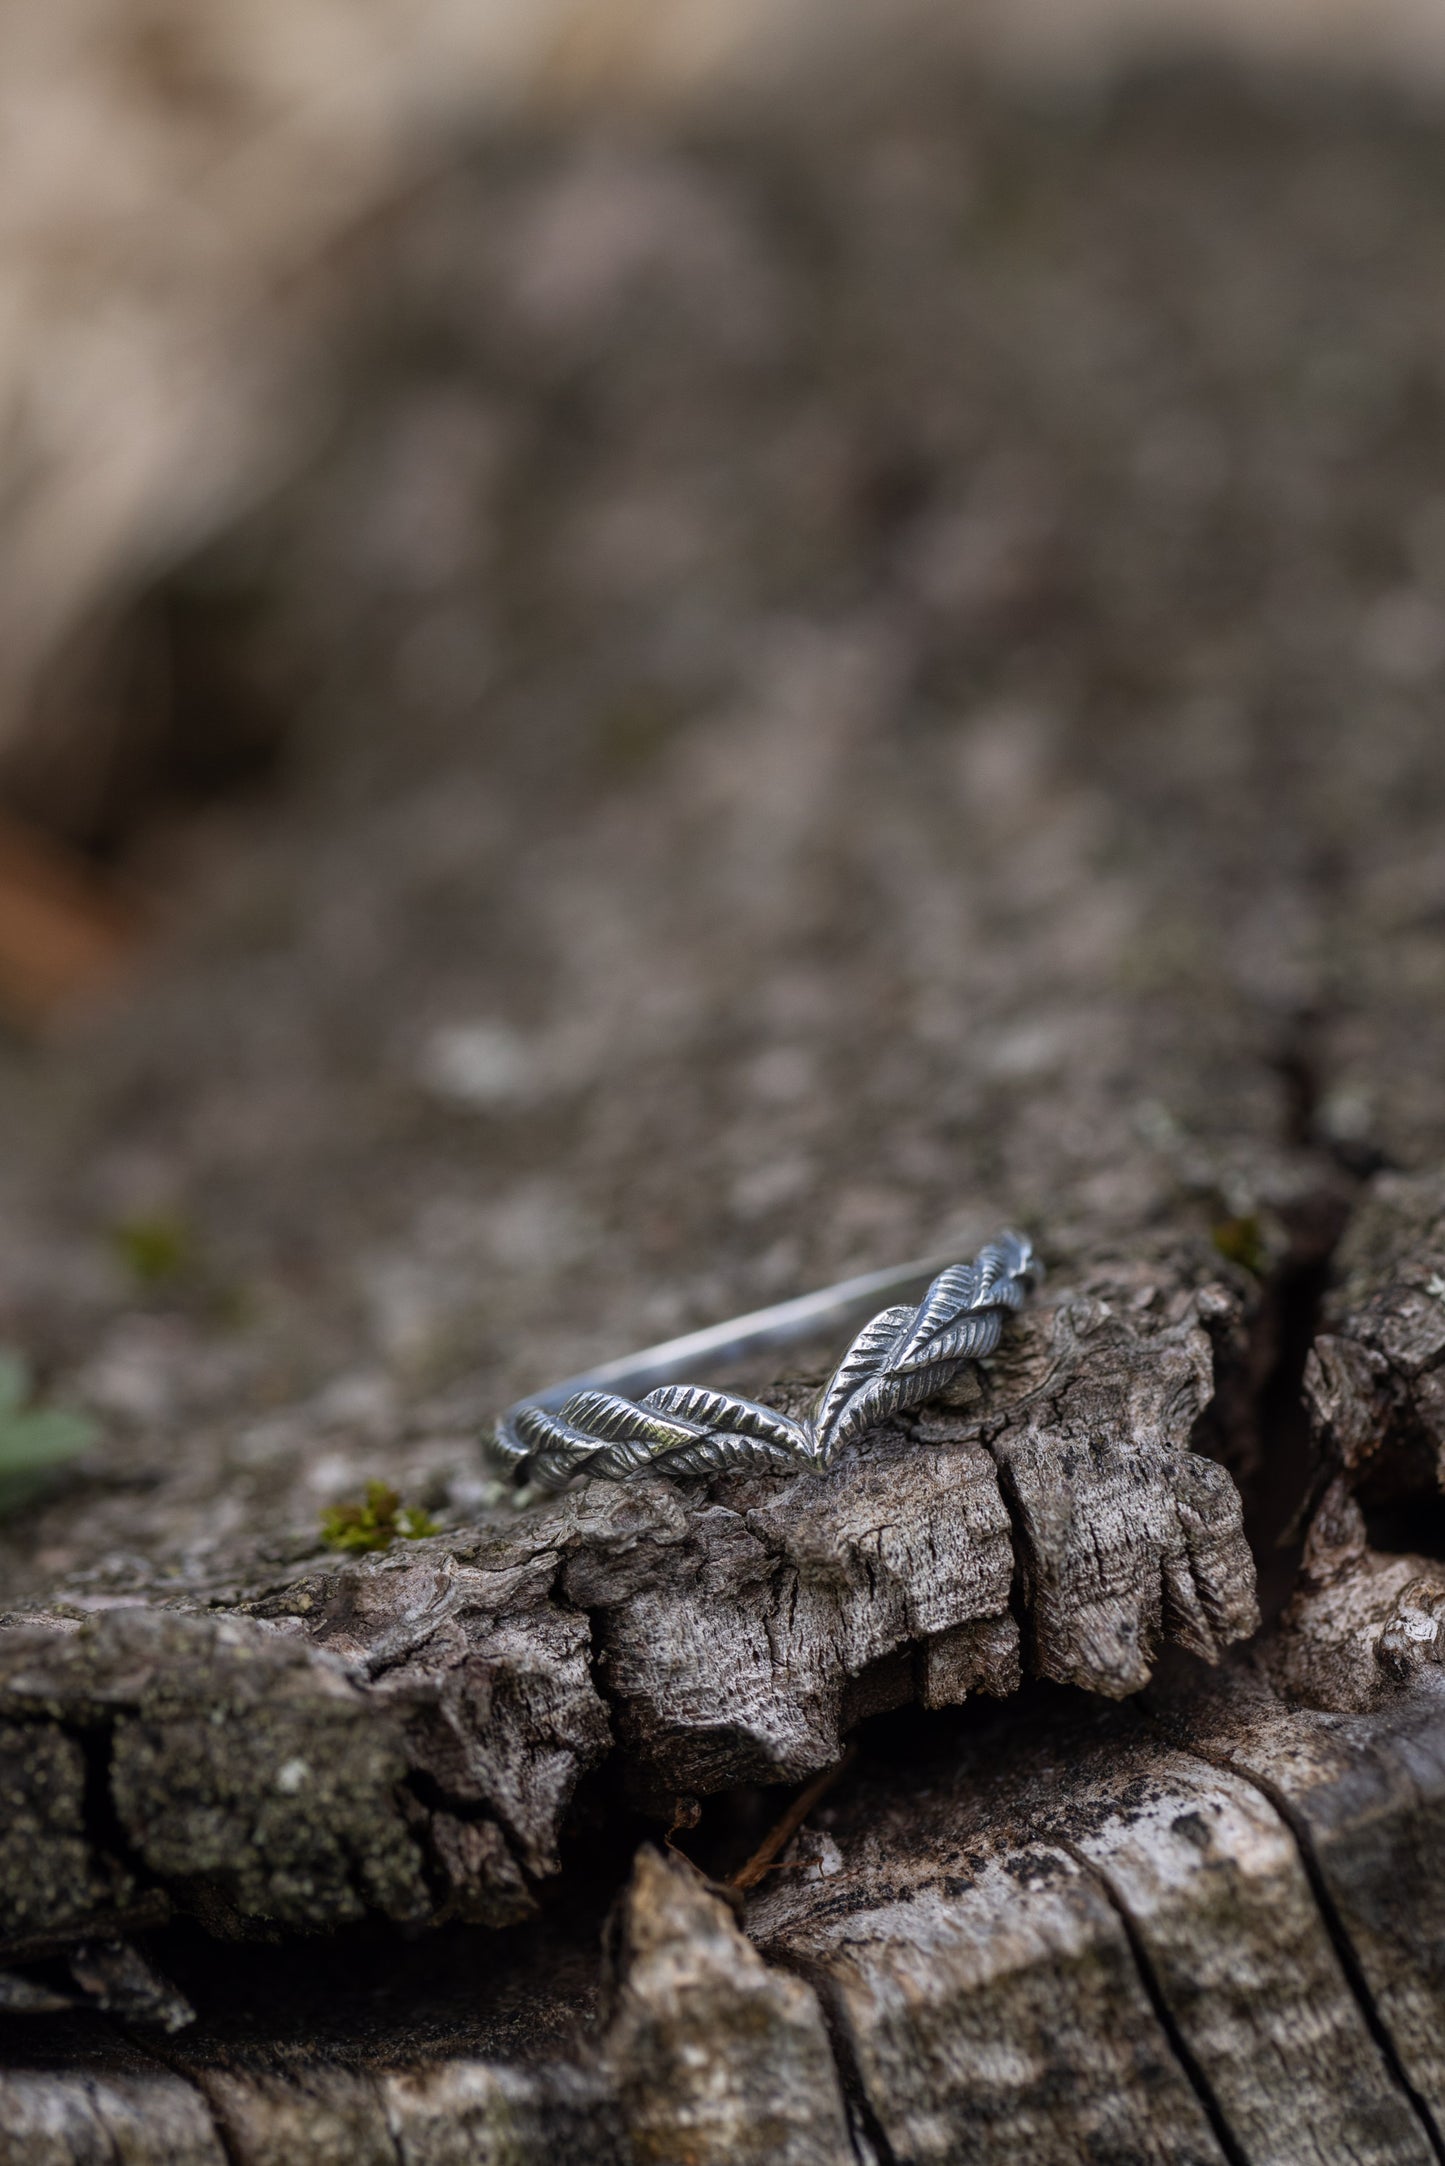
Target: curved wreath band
(904,1355)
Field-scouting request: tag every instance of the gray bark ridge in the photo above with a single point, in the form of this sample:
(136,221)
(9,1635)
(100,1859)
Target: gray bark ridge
(402,1735)
(1177,1934)
(1367,1615)
(1199,1926)
(1375,1377)
(1363,1795)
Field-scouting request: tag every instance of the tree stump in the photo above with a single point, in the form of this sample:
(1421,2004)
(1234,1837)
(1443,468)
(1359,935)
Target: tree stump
(1059,1775)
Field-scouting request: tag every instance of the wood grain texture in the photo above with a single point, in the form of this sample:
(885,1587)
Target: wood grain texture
(102,2101)
(1364,1795)
(1075,1937)
(402,1736)
(1203,1929)
(1376,1375)
(830,881)
(716,2056)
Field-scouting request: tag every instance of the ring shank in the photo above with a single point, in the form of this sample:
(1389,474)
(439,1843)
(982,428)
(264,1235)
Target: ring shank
(784,1324)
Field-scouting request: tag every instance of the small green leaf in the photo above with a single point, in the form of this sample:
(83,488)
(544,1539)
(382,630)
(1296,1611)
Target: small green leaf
(42,1439)
(14,1381)
(32,1439)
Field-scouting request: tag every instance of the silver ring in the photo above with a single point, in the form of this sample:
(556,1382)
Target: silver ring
(634,1413)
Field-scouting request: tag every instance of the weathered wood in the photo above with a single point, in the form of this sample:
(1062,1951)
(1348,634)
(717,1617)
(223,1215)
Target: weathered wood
(1061,1934)
(1009,2019)
(207,1732)
(887,935)
(330,2115)
(454,2113)
(59,1882)
(475,2114)
(716,2057)
(1365,1798)
(254,1756)
(95,2102)
(1375,1378)
(1214,1890)
(1076,1936)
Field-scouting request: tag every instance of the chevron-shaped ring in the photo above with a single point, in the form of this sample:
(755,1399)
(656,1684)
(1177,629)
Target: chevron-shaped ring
(635,1413)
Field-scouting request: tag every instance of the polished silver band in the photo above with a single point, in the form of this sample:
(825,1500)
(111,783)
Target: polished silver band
(634,1413)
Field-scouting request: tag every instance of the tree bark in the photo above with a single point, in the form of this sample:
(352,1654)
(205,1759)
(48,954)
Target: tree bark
(404,1735)
(1198,1918)
(921,923)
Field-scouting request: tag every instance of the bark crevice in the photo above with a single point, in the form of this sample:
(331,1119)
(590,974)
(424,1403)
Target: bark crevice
(1188,2060)
(1340,1941)
(862,2114)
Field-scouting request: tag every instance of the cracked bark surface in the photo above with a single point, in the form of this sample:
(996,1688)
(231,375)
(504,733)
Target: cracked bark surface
(1094,1940)
(1203,1926)
(485,1060)
(403,1736)
(1197,1921)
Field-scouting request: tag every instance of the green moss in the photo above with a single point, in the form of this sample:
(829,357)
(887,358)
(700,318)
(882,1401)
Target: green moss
(164,1258)
(1242,1241)
(156,1251)
(376,1522)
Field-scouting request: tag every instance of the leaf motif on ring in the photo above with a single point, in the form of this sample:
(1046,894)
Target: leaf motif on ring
(901,1358)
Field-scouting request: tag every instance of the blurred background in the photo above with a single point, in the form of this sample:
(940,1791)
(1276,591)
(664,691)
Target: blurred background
(648,654)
